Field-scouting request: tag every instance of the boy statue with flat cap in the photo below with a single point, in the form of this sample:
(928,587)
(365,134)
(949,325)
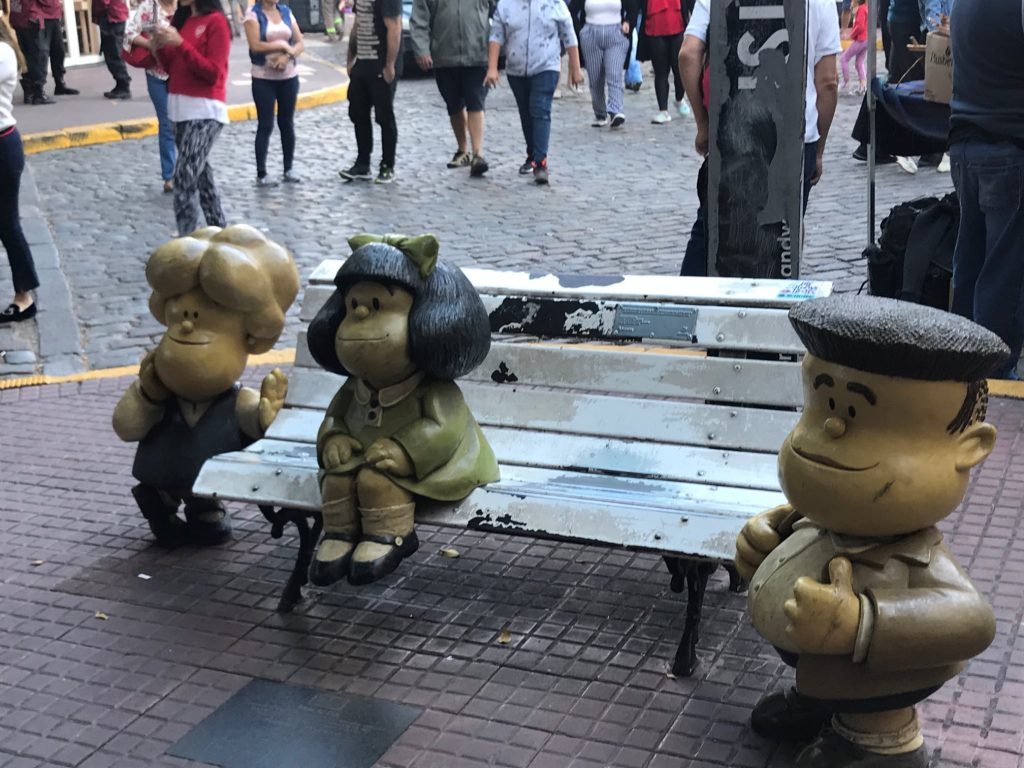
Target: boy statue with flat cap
(851,580)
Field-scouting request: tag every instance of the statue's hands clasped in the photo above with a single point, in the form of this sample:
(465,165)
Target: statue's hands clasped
(758,538)
(823,618)
(339,449)
(388,456)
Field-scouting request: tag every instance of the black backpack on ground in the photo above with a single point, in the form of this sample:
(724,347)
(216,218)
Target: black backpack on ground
(913,260)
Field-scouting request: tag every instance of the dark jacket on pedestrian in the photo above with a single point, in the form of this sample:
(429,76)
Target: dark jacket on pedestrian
(453,33)
(630,13)
(112,11)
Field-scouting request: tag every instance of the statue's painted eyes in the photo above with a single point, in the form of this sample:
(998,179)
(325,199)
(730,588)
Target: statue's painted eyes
(852,411)
(831,404)
(376,303)
(354,303)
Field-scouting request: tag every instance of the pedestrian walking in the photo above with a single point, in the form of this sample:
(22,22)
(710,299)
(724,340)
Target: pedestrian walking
(194,51)
(374,48)
(37,24)
(532,35)
(275,41)
(857,49)
(987,150)
(110,16)
(450,37)
(606,28)
(138,33)
(661,35)
(12,163)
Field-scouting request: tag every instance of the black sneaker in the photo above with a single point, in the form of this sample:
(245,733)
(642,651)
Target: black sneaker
(61,89)
(385,175)
(43,98)
(358,171)
(460,159)
(540,172)
(479,166)
(618,120)
(119,93)
(526,167)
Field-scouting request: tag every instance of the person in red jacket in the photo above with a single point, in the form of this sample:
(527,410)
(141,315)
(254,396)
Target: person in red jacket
(194,53)
(110,16)
(40,37)
(857,50)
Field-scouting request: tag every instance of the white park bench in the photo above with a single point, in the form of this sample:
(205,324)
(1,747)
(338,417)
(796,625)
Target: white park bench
(636,412)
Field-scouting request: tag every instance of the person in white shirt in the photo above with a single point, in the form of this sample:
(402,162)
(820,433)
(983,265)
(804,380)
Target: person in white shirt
(823,48)
(12,163)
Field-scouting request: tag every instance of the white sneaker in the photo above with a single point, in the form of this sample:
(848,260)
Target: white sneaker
(661,118)
(618,120)
(908,164)
(944,164)
(683,108)
(600,122)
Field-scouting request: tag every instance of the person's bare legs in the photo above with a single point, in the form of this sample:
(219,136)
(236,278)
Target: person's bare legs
(476,131)
(458,121)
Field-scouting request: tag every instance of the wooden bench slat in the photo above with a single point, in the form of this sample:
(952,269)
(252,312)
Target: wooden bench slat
(703,290)
(665,421)
(628,457)
(617,370)
(717,327)
(635,513)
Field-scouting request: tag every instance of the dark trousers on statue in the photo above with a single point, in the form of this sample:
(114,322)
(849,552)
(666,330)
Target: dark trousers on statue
(988,271)
(12,163)
(695,260)
(111,39)
(368,92)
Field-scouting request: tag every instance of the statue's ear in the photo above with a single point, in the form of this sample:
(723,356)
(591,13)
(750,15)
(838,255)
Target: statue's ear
(974,445)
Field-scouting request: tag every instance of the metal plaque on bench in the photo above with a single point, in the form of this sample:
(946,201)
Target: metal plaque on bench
(755,186)
(651,321)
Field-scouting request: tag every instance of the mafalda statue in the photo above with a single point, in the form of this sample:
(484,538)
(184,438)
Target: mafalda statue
(222,294)
(401,326)
(851,580)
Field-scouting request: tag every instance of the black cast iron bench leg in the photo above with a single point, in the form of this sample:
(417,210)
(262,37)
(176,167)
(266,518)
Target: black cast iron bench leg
(308,536)
(693,576)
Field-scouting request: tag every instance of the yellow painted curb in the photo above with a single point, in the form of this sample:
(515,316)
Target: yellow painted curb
(104,133)
(273,357)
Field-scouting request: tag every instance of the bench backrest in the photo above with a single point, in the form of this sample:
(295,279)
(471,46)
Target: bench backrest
(652,377)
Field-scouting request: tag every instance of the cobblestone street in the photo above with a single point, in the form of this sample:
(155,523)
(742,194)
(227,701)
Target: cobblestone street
(619,202)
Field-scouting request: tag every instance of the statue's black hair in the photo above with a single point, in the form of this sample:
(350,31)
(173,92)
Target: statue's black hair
(449,331)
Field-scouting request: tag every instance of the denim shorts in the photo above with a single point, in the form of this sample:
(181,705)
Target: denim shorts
(462,88)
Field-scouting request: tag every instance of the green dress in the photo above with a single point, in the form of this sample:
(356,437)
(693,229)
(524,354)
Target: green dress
(429,419)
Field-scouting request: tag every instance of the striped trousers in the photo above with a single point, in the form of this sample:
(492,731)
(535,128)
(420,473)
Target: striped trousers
(604,50)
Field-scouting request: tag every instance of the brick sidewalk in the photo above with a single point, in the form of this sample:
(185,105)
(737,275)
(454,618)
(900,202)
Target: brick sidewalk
(581,683)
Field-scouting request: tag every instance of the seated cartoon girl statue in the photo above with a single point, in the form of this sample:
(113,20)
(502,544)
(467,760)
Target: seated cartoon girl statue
(851,581)
(401,326)
(222,295)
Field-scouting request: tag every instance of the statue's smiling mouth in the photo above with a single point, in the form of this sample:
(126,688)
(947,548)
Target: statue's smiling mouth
(825,461)
(367,338)
(189,343)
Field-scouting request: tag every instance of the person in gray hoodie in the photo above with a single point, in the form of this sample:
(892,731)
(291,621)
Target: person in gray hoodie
(450,37)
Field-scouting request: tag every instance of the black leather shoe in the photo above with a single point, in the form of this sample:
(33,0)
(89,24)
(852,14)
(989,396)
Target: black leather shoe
(118,93)
(61,89)
(208,522)
(14,314)
(789,716)
(323,573)
(830,750)
(168,529)
(368,572)
(43,98)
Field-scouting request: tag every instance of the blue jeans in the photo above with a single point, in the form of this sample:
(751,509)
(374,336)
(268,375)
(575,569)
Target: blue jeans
(988,265)
(168,155)
(695,260)
(533,97)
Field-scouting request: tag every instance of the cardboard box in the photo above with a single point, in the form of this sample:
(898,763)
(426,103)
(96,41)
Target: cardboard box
(938,68)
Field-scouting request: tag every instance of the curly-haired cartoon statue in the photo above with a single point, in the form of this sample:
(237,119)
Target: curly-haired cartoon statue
(851,580)
(401,326)
(222,294)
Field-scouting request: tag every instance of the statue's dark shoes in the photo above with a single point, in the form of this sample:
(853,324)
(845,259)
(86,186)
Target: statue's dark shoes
(367,571)
(168,529)
(323,573)
(208,523)
(789,716)
(830,750)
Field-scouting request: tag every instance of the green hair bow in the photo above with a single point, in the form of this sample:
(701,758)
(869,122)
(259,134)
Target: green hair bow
(421,250)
